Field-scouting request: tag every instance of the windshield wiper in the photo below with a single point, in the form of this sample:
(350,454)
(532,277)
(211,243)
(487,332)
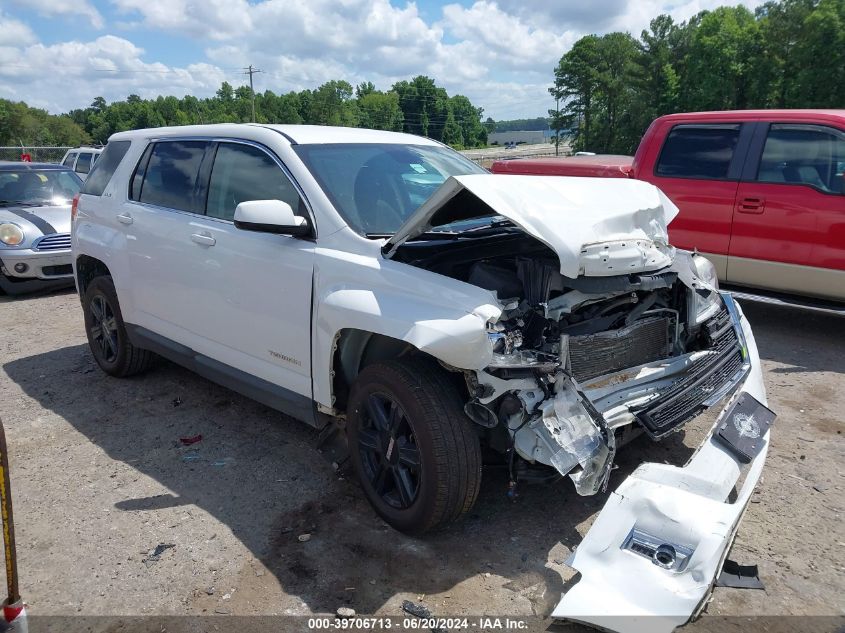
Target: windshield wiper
(495,224)
(428,235)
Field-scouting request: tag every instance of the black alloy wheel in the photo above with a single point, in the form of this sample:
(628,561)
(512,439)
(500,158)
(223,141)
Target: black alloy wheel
(413,449)
(389,453)
(103,329)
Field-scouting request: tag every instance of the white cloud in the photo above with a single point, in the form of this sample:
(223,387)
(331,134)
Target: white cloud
(503,38)
(54,8)
(108,66)
(14,32)
(214,19)
(500,53)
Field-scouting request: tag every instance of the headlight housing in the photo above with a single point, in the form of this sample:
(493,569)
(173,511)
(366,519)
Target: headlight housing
(704,307)
(11,234)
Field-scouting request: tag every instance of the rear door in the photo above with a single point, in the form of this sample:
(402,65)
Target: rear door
(163,200)
(789,221)
(698,168)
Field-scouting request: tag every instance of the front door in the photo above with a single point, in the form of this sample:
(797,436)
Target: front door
(698,168)
(789,212)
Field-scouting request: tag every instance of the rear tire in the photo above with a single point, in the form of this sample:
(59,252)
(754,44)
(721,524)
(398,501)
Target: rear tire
(412,447)
(107,336)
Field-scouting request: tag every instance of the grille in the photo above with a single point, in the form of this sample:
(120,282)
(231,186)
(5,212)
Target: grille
(645,341)
(54,242)
(707,377)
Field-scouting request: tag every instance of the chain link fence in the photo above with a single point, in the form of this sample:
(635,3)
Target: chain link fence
(37,154)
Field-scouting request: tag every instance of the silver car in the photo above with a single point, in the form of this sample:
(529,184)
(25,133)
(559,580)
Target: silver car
(35,201)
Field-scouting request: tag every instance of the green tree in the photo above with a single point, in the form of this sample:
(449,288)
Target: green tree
(722,54)
(424,106)
(380,110)
(820,56)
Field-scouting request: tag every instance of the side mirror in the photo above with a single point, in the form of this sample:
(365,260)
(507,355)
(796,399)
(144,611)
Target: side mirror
(270,216)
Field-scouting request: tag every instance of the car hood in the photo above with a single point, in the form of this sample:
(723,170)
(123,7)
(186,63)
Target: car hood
(597,226)
(38,221)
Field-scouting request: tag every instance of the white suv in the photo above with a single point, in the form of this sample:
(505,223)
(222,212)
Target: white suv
(82,159)
(383,284)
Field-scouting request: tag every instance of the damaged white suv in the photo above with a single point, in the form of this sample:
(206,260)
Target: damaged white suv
(383,284)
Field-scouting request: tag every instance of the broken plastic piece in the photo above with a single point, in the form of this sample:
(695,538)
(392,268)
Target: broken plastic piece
(571,435)
(187,441)
(739,576)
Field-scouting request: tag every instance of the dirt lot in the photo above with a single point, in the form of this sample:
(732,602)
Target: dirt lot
(100,478)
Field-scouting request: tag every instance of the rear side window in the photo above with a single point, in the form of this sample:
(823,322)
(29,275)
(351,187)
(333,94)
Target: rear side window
(812,155)
(68,161)
(102,172)
(83,165)
(171,174)
(698,151)
(244,172)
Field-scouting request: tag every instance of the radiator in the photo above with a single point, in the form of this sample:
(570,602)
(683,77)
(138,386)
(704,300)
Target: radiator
(644,341)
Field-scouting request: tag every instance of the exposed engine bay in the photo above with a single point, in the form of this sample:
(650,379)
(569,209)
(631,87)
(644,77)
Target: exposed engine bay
(580,363)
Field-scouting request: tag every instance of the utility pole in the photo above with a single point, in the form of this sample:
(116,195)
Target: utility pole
(251,71)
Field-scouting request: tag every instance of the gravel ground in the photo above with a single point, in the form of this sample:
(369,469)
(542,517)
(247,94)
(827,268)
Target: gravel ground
(100,479)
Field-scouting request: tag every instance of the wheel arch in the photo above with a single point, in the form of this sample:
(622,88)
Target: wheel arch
(355,349)
(87,269)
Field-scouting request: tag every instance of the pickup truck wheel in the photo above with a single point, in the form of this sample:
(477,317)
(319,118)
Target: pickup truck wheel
(411,445)
(106,331)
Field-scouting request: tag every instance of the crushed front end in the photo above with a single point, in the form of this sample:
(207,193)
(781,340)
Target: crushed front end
(581,365)
(579,371)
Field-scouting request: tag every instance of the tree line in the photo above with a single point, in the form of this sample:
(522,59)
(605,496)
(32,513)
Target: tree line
(417,106)
(786,54)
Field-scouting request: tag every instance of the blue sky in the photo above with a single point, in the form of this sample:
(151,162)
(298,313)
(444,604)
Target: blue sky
(60,54)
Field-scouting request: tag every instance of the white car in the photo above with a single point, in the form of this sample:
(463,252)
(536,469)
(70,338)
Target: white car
(82,159)
(382,283)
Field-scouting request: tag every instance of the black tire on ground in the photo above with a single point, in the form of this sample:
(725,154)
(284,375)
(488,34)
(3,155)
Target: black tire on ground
(107,336)
(422,422)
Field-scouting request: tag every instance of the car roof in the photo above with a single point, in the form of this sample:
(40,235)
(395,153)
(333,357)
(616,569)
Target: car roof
(805,115)
(12,165)
(85,148)
(293,134)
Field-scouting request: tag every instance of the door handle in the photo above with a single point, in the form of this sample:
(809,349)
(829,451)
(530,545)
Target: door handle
(203,239)
(125,218)
(751,205)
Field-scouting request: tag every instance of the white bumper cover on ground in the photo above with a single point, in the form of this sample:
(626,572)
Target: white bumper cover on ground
(622,590)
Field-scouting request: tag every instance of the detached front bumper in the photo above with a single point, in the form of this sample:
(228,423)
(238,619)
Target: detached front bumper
(622,586)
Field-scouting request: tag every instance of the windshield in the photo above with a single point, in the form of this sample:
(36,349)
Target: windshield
(376,187)
(47,187)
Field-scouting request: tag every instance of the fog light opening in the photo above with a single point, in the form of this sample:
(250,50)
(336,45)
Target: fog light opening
(20,267)
(664,556)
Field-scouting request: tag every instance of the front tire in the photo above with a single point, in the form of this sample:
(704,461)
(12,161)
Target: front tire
(411,445)
(107,336)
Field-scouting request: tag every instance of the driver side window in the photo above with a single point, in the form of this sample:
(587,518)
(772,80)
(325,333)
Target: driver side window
(242,173)
(801,154)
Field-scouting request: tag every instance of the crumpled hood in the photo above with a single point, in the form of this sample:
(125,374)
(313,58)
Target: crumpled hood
(597,226)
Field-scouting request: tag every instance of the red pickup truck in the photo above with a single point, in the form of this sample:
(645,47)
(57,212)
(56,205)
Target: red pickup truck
(761,193)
